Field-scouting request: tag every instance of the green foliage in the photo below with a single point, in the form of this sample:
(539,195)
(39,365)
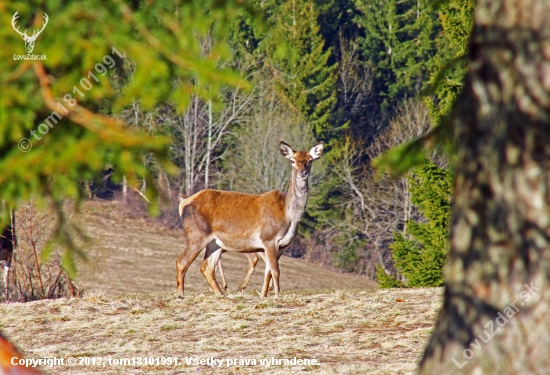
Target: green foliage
(447,78)
(398,45)
(387,281)
(336,21)
(404,157)
(159,42)
(445,84)
(294,55)
(419,255)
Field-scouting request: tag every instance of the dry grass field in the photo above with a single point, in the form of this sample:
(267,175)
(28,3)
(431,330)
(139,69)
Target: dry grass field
(130,310)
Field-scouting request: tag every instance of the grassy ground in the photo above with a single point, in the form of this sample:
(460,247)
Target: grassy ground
(347,331)
(130,310)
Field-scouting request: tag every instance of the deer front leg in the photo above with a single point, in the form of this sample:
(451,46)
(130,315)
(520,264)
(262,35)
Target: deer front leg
(271,270)
(267,280)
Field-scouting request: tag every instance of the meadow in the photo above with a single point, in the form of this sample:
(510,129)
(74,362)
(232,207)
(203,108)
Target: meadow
(130,310)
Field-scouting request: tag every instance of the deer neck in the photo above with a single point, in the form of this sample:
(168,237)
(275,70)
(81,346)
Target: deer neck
(296,198)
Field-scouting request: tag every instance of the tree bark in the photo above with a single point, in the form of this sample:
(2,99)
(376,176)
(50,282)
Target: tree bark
(495,316)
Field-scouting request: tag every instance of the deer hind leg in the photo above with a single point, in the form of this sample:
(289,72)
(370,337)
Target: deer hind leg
(208,266)
(224,282)
(252,262)
(193,247)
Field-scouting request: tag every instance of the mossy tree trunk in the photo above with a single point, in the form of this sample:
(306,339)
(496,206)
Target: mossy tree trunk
(496,312)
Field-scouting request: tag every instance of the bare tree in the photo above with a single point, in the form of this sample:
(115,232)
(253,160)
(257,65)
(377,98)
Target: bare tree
(378,206)
(31,277)
(257,166)
(198,131)
(198,134)
(355,94)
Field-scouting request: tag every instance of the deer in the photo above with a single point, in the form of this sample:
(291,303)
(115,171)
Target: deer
(265,223)
(252,262)
(29,40)
(7,245)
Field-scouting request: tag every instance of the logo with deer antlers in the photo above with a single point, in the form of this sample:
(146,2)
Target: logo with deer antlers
(29,40)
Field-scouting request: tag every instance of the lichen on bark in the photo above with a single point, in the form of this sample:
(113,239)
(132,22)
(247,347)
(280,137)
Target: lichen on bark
(500,233)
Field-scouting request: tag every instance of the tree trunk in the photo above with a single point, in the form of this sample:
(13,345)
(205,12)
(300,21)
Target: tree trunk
(495,316)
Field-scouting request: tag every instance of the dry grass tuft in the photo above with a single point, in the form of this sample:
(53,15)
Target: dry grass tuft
(31,277)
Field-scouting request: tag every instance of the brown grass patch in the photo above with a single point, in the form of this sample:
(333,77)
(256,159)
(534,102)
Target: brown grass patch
(348,331)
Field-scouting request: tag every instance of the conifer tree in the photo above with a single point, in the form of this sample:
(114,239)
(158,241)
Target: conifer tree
(449,64)
(419,253)
(305,77)
(336,21)
(397,45)
(445,84)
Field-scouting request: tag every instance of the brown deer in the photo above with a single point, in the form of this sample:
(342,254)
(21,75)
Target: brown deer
(252,261)
(7,244)
(247,223)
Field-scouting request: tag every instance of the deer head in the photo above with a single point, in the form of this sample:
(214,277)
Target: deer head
(301,160)
(29,40)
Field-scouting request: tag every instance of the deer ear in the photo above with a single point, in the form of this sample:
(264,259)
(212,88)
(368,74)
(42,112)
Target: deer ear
(286,150)
(317,150)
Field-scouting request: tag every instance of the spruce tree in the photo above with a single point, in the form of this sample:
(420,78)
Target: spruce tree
(304,76)
(336,21)
(445,85)
(398,45)
(419,253)
(449,64)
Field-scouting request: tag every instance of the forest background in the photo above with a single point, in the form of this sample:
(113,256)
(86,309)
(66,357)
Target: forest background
(206,91)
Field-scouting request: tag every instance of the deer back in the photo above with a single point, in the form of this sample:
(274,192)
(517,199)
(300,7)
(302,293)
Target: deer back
(228,213)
